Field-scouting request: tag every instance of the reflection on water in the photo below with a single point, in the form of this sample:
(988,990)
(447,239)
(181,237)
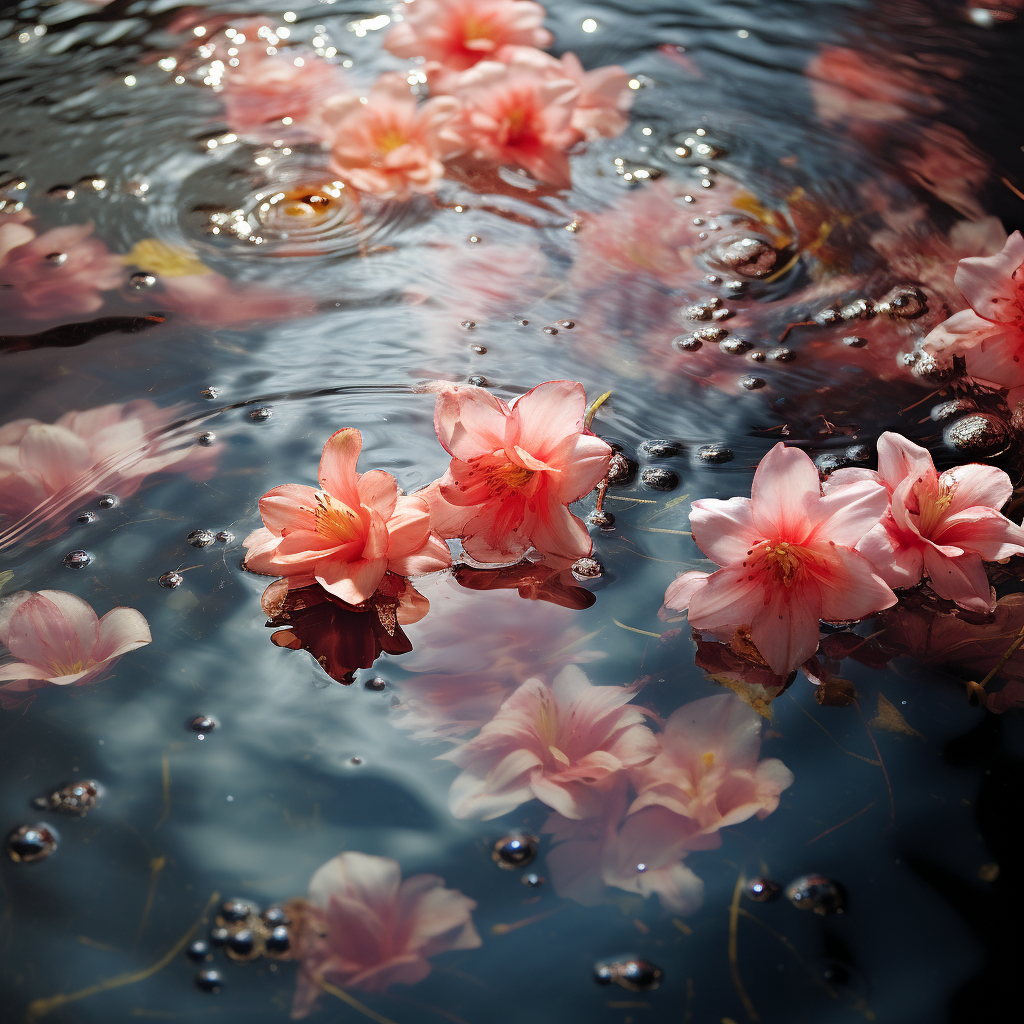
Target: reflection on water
(559,278)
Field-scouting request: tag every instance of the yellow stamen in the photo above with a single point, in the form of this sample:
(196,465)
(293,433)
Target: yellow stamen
(335,520)
(784,561)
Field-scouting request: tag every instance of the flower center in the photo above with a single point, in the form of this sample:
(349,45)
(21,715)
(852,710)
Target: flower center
(508,477)
(335,520)
(932,505)
(784,561)
(476,28)
(390,139)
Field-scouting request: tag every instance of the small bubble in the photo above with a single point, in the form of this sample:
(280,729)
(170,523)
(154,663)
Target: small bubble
(522,323)
(858,453)
(200,538)
(474,238)
(828,463)
(752,383)
(756,356)
(376,683)
(658,449)
(715,454)
(77,559)
(76,798)
(219,936)
(735,288)
(515,851)
(91,183)
(853,342)
(261,414)
(687,343)
(279,941)
(206,438)
(817,893)
(210,392)
(550,330)
(468,325)
(620,469)
(710,334)
(234,911)
(599,517)
(242,945)
(86,517)
(198,951)
(531,880)
(170,580)
(947,410)
(108,501)
(658,479)
(31,843)
(587,569)
(567,324)
(734,346)
(202,723)
(477,380)
(762,890)
(141,281)
(55,259)
(782,355)
(61,192)
(355,760)
(209,981)
(225,537)
(480,350)
(274,917)
(631,973)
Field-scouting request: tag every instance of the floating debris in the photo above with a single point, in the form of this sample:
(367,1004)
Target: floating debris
(587,569)
(31,843)
(660,449)
(632,973)
(715,453)
(659,479)
(76,798)
(202,724)
(515,851)
(201,538)
(171,580)
(210,392)
(261,414)
(77,559)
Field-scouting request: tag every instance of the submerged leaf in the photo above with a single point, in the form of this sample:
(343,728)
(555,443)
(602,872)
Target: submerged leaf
(890,720)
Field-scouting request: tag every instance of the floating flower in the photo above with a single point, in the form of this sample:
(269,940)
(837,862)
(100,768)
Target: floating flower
(388,143)
(61,272)
(943,526)
(708,769)
(564,744)
(456,34)
(364,928)
(58,639)
(991,333)
(518,116)
(347,534)
(788,557)
(514,470)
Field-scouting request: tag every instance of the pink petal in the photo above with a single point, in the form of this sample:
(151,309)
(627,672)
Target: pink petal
(8,606)
(469,421)
(987,282)
(17,670)
(723,530)
(121,630)
(961,579)
(784,486)
(982,531)
(409,527)
(289,507)
(854,591)
(543,417)
(848,512)
(682,589)
(557,532)
(378,490)
(54,630)
(898,458)
(728,597)
(433,556)
(582,468)
(54,454)
(977,485)
(337,474)
(353,582)
(785,630)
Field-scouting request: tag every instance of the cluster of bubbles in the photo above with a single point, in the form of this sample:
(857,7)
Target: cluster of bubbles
(813,892)
(29,844)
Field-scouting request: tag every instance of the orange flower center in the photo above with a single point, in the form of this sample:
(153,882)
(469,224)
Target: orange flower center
(784,561)
(476,28)
(335,520)
(931,505)
(390,139)
(508,477)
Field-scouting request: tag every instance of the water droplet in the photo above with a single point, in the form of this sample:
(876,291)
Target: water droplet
(468,325)
(77,559)
(587,569)
(714,454)
(620,469)
(752,383)
(710,334)
(31,843)
(550,330)
(522,323)
(200,538)
(242,945)
(278,942)
(658,449)
(978,435)
(659,479)
(514,851)
(86,517)
(61,192)
(762,890)
(209,981)
(377,683)
(631,973)
(137,187)
(531,880)
(76,798)
(170,580)
(210,392)
(206,438)
(261,414)
(782,355)
(687,343)
(756,356)
(599,517)
(955,407)
(480,350)
(355,760)
(235,910)
(750,256)
(817,893)
(858,453)
(735,287)
(108,501)
(734,347)
(56,259)
(273,917)
(198,951)
(854,342)
(828,463)
(91,183)
(219,936)
(202,723)
(474,238)
(141,281)
(478,380)
(225,537)
(567,324)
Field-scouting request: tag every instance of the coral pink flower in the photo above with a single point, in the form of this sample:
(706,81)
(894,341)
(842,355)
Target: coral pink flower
(364,928)
(456,34)
(514,470)
(788,557)
(991,333)
(939,525)
(708,769)
(347,534)
(58,639)
(390,145)
(56,274)
(518,116)
(564,744)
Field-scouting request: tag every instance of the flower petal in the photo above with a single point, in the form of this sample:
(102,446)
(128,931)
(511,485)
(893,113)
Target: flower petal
(337,473)
(724,530)
(785,484)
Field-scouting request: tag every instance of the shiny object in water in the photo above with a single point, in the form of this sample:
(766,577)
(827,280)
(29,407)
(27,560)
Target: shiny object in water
(515,851)
(31,843)
(817,893)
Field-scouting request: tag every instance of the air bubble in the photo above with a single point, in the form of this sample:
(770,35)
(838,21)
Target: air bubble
(77,559)
(620,469)
(278,942)
(550,330)
(198,951)
(242,945)
(209,981)
(658,449)
(752,383)
(599,517)
(480,350)
(377,683)
(567,324)
(206,438)
(531,880)
(261,414)
(658,479)
(478,380)
(141,282)
(31,843)
(86,517)
(587,569)
(514,851)
(76,798)
(734,346)
(171,580)
(687,343)
(762,890)
(200,538)
(202,724)
(468,325)
(108,501)
(61,192)
(631,973)
(210,392)
(854,342)
(715,454)
(782,355)
(979,435)
(55,259)
(817,893)
(225,537)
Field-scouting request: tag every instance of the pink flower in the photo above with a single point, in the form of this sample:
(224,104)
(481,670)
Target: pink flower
(364,928)
(347,534)
(215,301)
(518,116)
(708,771)
(56,274)
(788,557)
(390,145)
(458,33)
(514,470)
(991,333)
(564,744)
(59,640)
(939,525)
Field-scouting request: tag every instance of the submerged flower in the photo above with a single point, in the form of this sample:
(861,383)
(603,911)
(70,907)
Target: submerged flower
(942,526)
(58,639)
(991,333)
(708,771)
(347,534)
(364,928)
(456,34)
(514,470)
(565,744)
(388,143)
(788,559)
(61,272)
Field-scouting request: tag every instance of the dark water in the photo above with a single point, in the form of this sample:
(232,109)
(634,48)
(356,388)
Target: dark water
(911,825)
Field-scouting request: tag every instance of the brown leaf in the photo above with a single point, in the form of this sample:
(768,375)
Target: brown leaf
(835,692)
(890,720)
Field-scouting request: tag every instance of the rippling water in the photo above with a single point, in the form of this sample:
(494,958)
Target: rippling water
(328,313)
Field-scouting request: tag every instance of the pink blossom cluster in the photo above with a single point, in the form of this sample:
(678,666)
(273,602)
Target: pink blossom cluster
(496,98)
